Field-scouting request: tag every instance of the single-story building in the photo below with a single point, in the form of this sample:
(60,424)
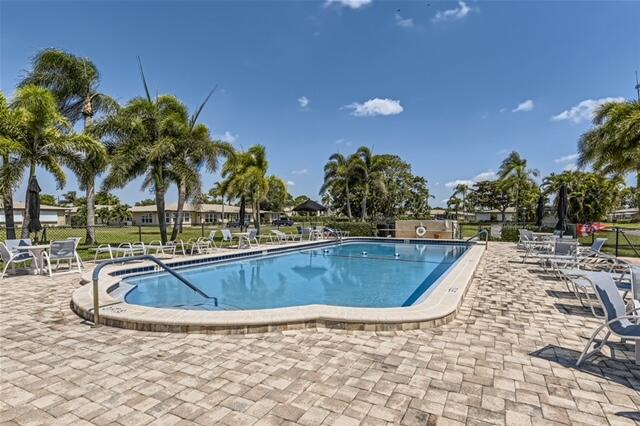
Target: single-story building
(623,214)
(49,215)
(496,215)
(195,214)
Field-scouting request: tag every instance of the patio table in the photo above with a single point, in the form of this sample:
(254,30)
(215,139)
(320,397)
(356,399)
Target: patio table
(37,251)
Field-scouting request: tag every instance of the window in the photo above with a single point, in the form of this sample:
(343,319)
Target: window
(186,217)
(210,217)
(146,218)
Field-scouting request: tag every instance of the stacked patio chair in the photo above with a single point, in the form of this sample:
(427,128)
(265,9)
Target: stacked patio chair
(13,257)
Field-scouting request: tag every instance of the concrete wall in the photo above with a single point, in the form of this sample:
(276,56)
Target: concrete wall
(436,229)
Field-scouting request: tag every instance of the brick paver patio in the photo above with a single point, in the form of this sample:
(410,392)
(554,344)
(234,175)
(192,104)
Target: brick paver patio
(508,358)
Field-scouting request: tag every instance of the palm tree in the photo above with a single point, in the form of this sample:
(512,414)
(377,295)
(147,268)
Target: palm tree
(197,150)
(370,168)
(339,170)
(613,145)
(10,173)
(74,81)
(145,136)
(46,139)
(245,177)
(514,169)
(454,202)
(461,189)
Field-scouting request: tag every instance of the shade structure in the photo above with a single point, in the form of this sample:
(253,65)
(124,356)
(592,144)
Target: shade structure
(563,209)
(540,211)
(33,200)
(310,206)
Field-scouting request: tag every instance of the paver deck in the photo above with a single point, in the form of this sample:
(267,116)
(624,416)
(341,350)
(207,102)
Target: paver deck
(508,358)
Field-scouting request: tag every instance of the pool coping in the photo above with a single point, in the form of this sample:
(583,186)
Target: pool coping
(443,301)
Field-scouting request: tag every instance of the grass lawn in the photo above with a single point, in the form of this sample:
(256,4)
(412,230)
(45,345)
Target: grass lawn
(116,235)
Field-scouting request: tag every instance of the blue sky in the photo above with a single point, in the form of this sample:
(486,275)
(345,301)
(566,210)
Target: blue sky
(449,86)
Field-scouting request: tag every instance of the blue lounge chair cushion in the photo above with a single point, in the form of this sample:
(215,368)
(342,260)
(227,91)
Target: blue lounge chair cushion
(626,328)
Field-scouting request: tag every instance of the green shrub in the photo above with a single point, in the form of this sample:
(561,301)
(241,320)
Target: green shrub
(355,229)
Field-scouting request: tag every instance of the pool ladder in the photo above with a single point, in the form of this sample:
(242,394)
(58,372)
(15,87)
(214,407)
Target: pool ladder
(158,262)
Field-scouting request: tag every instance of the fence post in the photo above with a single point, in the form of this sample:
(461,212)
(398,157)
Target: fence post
(617,237)
(140,233)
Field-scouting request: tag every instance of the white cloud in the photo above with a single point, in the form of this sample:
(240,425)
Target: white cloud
(457,182)
(524,106)
(403,22)
(353,4)
(486,175)
(291,183)
(344,141)
(570,167)
(374,107)
(452,14)
(566,158)
(584,110)
(502,151)
(304,102)
(227,137)
(300,172)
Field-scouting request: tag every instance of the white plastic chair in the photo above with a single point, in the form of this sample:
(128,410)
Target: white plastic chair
(12,258)
(62,250)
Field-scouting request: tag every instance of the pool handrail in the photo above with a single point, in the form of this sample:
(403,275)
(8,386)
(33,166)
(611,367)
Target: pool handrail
(477,234)
(96,275)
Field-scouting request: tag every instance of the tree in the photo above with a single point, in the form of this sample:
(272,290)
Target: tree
(145,202)
(417,201)
(300,199)
(74,81)
(277,195)
(462,189)
(46,139)
(339,171)
(591,196)
(70,198)
(513,171)
(491,195)
(108,199)
(369,167)
(196,150)
(145,136)
(48,200)
(613,145)
(454,203)
(10,122)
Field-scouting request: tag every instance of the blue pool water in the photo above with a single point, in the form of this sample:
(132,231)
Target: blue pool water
(336,275)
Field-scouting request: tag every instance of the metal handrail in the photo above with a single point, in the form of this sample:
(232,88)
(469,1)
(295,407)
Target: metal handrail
(96,275)
(477,234)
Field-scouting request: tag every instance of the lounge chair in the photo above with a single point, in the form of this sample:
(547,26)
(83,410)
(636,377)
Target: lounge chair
(200,246)
(159,248)
(212,238)
(62,250)
(249,239)
(122,250)
(617,320)
(281,237)
(12,258)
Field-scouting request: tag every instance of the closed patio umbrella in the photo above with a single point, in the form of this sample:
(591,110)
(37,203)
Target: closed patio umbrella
(34,205)
(540,211)
(563,209)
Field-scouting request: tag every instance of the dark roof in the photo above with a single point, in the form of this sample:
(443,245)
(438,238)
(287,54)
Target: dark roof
(310,206)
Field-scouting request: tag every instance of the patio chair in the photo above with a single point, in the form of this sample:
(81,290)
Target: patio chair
(281,237)
(13,245)
(123,249)
(200,246)
(250,239)
(12,258)
(525,236)
(227,236)
(159,248)
(62,250)
(617,321)
(212,238)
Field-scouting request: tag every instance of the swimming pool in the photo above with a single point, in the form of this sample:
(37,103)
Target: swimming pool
(351,274)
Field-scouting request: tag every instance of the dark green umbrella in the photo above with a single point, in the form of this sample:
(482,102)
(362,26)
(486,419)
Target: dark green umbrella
(34,205)
(540,211)
(563,209)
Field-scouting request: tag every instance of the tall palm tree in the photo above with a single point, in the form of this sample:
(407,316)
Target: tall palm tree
(514,170)
(245,177)
(145,136)
(613,145)
(197,150)
(370,167)
(339,170)
(46,139)
(10,173)
(461,189)
(74,81)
